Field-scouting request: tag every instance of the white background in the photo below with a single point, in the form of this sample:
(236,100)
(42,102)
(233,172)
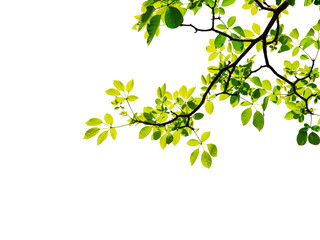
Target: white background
(57,59)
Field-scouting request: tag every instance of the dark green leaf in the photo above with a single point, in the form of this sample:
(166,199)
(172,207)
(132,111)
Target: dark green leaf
(302,137)
(314,138)
(291,2)
(145,17)
(152,27)
(198,116)
(169,138)
(173,17)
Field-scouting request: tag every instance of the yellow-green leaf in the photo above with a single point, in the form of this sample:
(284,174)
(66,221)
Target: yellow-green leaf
(113,92)
(94,122)
(102,137)
(108,118)
(206,159)
(91,133)
(132,98)
(129,85)
(113,133)
(119,85)
(209,107)
(194,155)
(144,132)
(256,28)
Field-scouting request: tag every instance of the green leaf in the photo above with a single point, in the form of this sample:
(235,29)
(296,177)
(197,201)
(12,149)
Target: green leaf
(194,155)
(113,133)
(289,115)
(94,122)
(226,3)
(129,86)
(313,138)
(209,107)
(108,118)
(238,46)
(284,48)
(265,103)
(206,159)
(239,30)
(266,85)
(193,142)
(245,103)
(144,132)
(212,148)
(256,81)
(219,41)
(295,51)
(102,137)
(132,98)
(231,21)
(145,17)
(316,128)
(258,120)
(317,26)
(310,33)
(152,27)
(119,85)
(246,116)
(198,116)
(173,17)
(302,137)
(304,57)
(294,33)
(113,92)
(205,136)
(91,133)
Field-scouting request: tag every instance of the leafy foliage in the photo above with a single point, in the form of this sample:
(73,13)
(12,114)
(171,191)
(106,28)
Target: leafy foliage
(233,76)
